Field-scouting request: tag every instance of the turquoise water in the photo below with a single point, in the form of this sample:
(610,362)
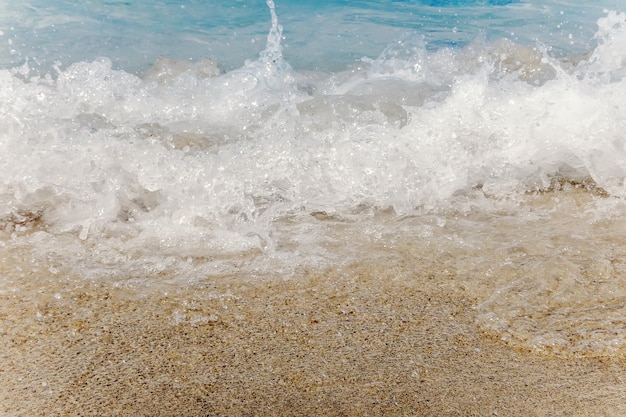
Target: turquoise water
(188,140)
(323,35)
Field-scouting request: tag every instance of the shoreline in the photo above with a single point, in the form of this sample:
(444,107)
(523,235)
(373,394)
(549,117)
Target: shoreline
(342,343)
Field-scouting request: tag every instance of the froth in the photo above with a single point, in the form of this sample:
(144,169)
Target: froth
(189,157)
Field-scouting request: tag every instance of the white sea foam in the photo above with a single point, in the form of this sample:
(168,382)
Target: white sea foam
(188,157)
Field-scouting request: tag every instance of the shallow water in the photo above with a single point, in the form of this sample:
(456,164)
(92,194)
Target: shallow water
(492,156)
(544,274)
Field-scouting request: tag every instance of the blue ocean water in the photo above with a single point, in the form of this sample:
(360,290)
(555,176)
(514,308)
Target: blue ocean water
(321,34)
(194,139)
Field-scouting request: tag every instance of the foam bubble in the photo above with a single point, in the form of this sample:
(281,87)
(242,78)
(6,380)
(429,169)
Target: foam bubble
(188,160)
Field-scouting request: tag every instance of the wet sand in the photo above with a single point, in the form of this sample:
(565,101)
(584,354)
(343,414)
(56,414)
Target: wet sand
(350,342)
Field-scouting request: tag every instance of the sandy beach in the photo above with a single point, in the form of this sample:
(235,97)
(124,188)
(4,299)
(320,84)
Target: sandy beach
(400,208)
(349,342)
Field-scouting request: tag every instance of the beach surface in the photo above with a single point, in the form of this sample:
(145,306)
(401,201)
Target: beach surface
(361,340)
(401,208)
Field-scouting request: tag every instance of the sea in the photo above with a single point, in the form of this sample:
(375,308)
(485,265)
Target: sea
(176,142)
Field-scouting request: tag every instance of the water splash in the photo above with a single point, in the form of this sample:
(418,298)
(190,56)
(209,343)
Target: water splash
(271,72)
(273,53)
(608,60)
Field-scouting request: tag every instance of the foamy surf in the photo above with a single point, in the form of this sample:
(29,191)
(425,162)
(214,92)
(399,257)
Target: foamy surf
(188,171)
